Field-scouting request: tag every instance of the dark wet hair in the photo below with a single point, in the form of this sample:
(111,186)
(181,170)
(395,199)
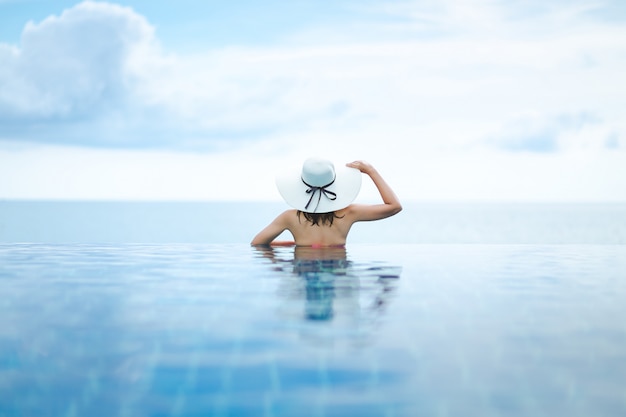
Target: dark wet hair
(319,219)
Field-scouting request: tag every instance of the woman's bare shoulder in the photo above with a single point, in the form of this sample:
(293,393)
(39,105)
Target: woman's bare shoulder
(367,212)
(348,210)
(288,216)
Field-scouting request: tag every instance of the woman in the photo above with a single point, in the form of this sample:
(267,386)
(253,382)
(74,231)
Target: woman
(322,197)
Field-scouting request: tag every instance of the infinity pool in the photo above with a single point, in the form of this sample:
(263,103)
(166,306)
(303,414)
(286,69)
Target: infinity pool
(393,330)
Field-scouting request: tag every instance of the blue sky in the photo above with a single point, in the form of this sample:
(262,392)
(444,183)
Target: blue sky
(195,24)
(451,99)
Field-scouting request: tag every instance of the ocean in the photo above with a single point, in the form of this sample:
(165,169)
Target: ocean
(238,222)
(164,309)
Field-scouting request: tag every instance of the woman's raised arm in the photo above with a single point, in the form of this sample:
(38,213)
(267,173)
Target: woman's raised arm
(391,204)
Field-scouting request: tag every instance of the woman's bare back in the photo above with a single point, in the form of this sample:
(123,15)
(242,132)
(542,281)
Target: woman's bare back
(305,233)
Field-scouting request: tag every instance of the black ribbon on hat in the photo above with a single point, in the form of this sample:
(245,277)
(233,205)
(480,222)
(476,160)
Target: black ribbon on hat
(322,190)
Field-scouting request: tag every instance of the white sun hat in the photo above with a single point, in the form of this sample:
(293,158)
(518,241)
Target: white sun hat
(318,186)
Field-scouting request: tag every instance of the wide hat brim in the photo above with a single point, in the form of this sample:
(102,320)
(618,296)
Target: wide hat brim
(346,186)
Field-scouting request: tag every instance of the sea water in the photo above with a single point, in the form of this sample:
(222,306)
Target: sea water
(238,222)
(464,323)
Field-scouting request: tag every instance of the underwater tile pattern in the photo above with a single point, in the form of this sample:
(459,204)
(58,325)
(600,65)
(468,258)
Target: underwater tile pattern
(374,330)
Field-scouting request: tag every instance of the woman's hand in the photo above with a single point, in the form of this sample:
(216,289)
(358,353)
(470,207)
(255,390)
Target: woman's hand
(362,166)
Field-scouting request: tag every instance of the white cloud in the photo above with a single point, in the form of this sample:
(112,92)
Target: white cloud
(448,100)
(74,66)
(538,133)
(478,83)
(95,74)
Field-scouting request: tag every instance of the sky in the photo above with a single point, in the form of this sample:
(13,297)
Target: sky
(451,100)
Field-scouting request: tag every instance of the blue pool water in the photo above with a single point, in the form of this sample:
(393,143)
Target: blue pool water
(376,330)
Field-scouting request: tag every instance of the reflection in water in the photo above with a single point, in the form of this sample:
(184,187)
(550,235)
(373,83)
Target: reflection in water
(331,285)
(320,268)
